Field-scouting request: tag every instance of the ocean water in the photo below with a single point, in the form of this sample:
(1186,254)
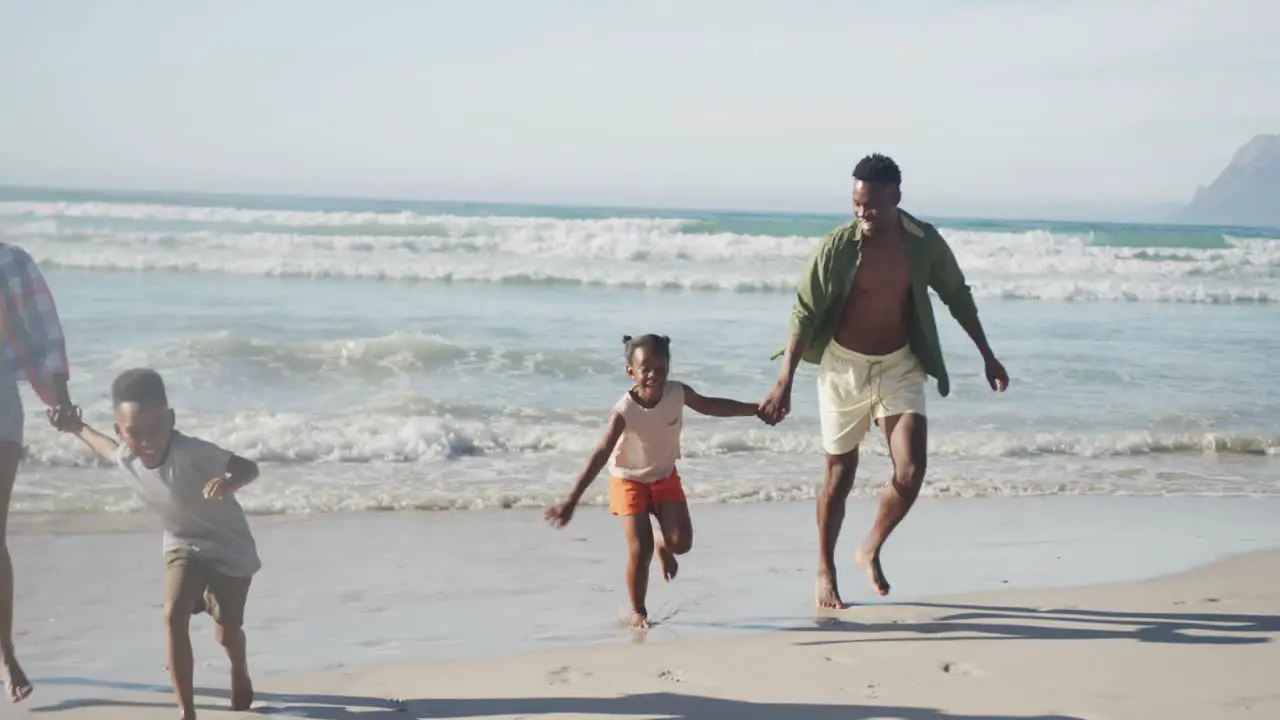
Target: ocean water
(380,355)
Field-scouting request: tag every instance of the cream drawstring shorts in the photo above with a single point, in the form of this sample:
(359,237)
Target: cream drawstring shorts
(854,389)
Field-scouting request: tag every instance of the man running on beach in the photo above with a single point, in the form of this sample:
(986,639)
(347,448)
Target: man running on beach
(863,315)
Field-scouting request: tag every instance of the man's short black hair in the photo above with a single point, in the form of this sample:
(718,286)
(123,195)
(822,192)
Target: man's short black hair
(139,385)
(660,344)
(878,168)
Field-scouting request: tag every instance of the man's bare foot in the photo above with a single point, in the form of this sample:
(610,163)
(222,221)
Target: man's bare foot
(639,621)
(828,597)
(188,714)
(870,563)
(670,566)
(16,682)
(241,689)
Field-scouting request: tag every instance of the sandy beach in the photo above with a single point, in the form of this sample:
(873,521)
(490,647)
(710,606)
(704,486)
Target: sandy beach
(427,274)
(1194,644)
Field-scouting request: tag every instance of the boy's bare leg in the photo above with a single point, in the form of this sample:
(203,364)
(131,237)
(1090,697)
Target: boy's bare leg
(181,663)
(674,535)
(226,601)
(831,505)
(233,639)
(15,680)
(640,553)
(908,437)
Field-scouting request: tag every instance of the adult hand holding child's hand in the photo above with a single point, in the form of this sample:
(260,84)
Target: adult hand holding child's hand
(65,418)
(776,405)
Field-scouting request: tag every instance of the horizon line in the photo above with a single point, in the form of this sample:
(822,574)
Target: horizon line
(636,208)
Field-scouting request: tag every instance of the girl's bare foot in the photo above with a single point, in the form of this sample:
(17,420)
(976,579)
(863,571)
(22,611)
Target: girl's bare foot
(639,621)
(670,566)
(870,562)
(16,682)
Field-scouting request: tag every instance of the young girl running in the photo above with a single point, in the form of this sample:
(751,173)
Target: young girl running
(641,445)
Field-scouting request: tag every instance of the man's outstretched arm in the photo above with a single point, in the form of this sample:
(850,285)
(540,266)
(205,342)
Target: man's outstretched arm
(812,297)
(948,280)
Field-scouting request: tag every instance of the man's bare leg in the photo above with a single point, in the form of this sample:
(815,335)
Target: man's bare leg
(908,438)
(640,553)
(177,617)
(674,535)
(831,505)
(15,680)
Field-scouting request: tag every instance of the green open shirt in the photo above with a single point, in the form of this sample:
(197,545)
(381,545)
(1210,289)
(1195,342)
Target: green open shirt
(828,278)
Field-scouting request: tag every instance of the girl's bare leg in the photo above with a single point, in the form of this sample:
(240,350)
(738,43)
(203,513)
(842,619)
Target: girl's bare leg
(674,535)
(640,546)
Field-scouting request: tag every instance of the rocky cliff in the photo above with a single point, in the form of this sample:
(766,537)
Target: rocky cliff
(1247,192)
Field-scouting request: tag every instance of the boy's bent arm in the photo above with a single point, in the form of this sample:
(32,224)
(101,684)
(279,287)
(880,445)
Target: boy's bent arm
(241,471)
(716,406)
(101,445)
(236,473)
(599,456)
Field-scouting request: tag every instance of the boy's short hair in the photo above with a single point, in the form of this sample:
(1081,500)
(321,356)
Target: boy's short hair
(139,385)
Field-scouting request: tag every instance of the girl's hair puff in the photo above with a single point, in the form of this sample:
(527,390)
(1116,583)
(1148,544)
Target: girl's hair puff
(660,344)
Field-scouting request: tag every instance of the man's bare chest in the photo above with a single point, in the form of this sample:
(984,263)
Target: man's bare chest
(883,269)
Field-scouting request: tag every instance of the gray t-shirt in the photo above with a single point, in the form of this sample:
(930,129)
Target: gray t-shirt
(216,530)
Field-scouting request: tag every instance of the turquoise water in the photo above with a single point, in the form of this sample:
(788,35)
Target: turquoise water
(383,354)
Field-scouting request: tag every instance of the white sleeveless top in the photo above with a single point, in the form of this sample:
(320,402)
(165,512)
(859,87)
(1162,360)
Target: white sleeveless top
(650,444)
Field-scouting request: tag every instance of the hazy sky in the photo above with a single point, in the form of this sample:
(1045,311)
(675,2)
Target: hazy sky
(990,106)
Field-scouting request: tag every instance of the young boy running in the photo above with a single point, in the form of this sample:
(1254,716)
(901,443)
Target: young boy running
(210,555)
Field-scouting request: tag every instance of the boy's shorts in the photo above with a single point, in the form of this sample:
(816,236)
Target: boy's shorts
(190,582)
(631,497)
(856,389)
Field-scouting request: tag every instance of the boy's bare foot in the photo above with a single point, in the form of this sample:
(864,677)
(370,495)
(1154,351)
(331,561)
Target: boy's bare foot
(870,562)
(828,597)
(241,689)
(16,682)
(639,621)
(670,566)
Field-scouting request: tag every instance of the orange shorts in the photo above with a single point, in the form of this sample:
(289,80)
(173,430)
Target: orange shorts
(629,497)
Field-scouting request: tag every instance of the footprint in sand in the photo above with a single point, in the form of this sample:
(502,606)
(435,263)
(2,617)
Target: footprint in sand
(677,676)
(960,669)
(565,675)
(842,659)
(868,691)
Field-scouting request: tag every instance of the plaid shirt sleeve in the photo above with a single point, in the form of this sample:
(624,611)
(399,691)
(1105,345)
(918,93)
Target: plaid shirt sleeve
(32,331)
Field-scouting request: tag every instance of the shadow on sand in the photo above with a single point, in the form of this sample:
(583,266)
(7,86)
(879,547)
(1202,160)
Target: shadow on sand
(997,622)
(962,622)
(670,706)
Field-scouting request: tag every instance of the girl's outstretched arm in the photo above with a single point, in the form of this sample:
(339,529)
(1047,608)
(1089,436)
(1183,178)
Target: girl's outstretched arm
(717,407)
(561,514)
